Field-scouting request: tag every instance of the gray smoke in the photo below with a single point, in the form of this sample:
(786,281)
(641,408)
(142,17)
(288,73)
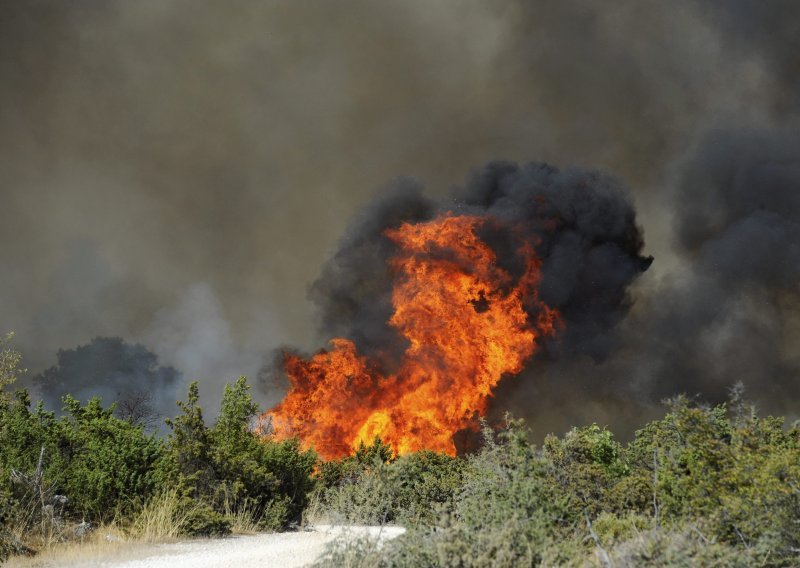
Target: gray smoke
(733,315)
(729,313)
(150,150)
(115,371)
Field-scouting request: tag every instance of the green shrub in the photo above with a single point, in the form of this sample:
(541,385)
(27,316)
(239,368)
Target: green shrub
(587,465)
(109,462)
(372,487)
(680,549)
(229,465)
(738,477)
(203,520)
(102,464)
(10,364)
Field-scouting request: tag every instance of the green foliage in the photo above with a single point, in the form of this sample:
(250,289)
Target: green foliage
(736,476)
(511,510)
(203,520)
(103,464)
(230,463)
(197,482)
(704,486)
(425,484)
(10,364)
(588,464)
(187,462)
(109,463)
(373,487)
(681,549)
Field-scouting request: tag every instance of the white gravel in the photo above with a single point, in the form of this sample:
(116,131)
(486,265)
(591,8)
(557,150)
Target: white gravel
(283,550)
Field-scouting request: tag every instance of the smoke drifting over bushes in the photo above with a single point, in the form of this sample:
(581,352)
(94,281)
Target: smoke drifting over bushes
(115,371)
(176,175)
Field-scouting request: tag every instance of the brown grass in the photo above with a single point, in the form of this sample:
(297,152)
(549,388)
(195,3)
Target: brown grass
(107,542)
(158,521)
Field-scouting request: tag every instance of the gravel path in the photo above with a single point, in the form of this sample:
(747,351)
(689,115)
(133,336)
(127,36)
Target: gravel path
(284,550)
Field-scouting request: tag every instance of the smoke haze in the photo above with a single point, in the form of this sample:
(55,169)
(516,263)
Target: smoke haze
(176,174)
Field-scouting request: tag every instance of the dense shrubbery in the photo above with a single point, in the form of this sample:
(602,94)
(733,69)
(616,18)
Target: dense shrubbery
(90,466)
(374,487)
(232,466)
(703,486)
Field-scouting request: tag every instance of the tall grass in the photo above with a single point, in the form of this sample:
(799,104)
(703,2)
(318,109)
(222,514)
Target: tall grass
(161,517)
(245,518)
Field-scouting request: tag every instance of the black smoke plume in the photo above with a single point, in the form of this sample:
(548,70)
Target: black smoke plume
(581,223)
(728,313)
(733,314)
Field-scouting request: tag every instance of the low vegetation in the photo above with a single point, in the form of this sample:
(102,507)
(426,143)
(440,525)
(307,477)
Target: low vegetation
(703,486)
(61,477)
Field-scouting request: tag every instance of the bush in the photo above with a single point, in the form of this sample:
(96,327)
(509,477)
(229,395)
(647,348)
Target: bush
(232,467)
(703,486)
(109,462)
(203,520)
(737,477)
(373,487)
(587,465)
(10,364)
(681,549)
(102,464)
(90,465)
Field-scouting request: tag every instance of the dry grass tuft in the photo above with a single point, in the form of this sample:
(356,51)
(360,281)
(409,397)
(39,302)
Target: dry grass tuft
(107,542)
(160,519)
(244,518)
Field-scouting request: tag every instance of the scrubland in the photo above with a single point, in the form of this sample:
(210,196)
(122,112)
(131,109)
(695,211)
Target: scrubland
(702,486)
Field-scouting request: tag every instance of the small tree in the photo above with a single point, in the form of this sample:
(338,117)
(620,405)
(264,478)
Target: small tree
(10,364)
(271,477)
(190,446)
(229,464)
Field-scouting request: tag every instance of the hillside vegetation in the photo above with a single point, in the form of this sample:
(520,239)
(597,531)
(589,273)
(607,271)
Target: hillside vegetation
(703,486)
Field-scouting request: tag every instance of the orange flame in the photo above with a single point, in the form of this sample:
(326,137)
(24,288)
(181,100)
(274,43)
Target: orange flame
(466,325)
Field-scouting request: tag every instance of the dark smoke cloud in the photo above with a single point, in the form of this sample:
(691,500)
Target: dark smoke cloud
(175,172)
(583,227)
(581,223)
(730,317)
(353,293)
(115,371)
(730,313)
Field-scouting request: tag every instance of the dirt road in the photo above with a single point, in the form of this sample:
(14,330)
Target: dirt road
(281,550)
(284,550)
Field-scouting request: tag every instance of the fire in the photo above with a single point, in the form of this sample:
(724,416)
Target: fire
(466,326)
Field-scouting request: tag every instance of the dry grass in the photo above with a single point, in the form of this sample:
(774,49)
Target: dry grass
(56,544)
(107,542)
(315,512)
(244,519)
(160,519)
